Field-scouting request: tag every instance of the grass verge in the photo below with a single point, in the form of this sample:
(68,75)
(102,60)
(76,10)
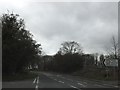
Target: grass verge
(19,77)
(97,75)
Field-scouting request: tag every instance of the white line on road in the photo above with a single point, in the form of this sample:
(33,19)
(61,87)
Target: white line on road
(34,80)
(85,82)
(81,84)
(37,79)
(116,86)
(36,87)
(60,81)
(73,86)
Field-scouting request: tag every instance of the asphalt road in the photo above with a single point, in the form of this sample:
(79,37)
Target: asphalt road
(54,80)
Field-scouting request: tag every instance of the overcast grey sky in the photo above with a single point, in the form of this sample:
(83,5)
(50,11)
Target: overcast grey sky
(92,24)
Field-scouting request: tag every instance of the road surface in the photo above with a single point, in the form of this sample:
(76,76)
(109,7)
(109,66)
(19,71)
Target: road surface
(54,80)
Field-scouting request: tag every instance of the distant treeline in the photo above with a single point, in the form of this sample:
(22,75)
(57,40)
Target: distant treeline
(67,63)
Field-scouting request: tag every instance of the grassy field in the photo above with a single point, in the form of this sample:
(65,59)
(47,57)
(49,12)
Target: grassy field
(18,77)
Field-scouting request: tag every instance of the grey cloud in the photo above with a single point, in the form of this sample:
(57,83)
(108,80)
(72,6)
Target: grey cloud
(91,24)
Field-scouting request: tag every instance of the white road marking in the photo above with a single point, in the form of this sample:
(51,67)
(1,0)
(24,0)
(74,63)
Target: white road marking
(36,87)
(64,78)
(37,79)
(116,86)
(34,80)
(58,81)
(82,84)
(61,81)
(73,86)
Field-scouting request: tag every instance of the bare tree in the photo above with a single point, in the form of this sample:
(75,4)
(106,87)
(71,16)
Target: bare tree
(70,47)
(115,47)
(113,52)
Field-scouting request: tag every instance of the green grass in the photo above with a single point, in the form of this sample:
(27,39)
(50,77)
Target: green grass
(96,75)
(19,77)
